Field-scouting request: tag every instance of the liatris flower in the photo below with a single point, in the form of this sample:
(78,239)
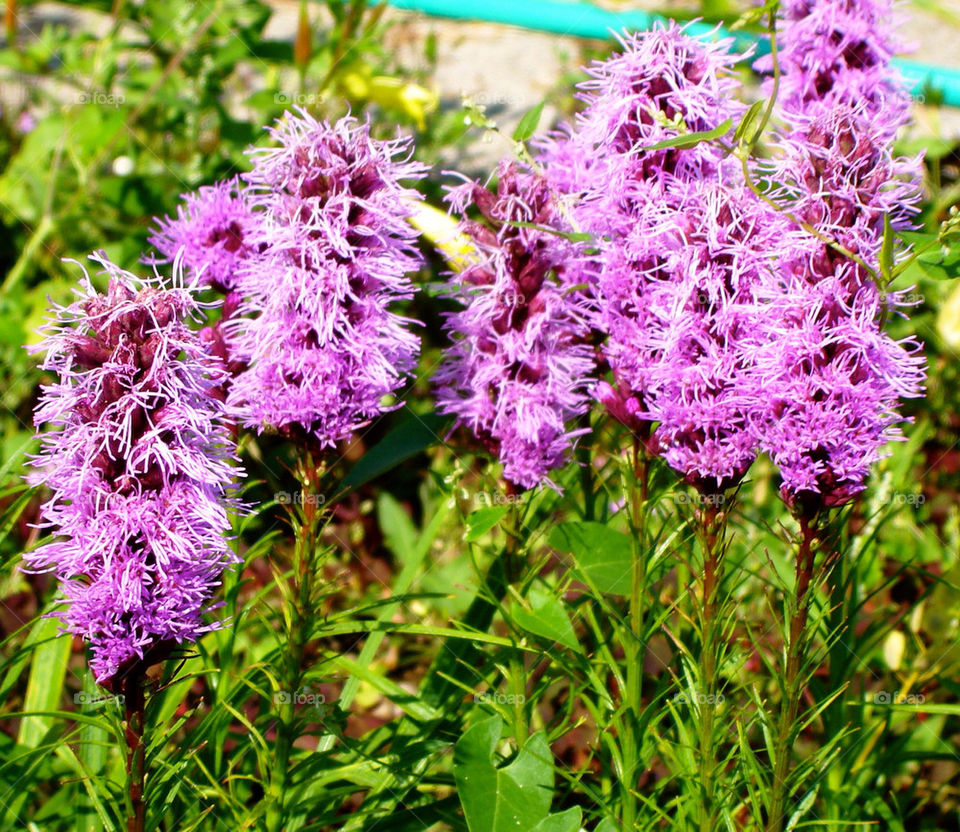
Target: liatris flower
(838,52)
(139,466)
(837,172)
(211,233)
(323,345)
(682,249)
(517,372)
(663,83)
(678,298)
(833,378)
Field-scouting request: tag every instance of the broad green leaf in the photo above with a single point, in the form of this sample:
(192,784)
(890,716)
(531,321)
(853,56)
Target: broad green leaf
(932,147)
(568,821)
(602,554)
(482,520)
(512,798)
(528,124)
(546,617)
(940,265)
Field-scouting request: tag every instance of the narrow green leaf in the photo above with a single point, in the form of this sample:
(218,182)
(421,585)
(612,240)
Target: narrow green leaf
(688,140)
(93,758)
(45,686)
(572,236)
(398,530)
(528,124)
(745,129)
(413,435)
(886,251)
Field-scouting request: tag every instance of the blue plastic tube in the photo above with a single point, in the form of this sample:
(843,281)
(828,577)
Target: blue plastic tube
(569,17)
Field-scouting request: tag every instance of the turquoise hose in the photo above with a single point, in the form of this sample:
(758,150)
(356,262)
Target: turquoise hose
(563,17)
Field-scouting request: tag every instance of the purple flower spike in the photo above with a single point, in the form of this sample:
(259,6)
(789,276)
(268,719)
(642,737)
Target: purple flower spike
(664,83)
(316,327)
(682,249)
(833,379)
(518,369)
(211,232)
(139,465)
(837,52)
(834,382)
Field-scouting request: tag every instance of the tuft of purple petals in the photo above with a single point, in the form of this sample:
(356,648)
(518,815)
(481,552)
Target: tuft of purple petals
(681,249)
(323,345)
(832,376)
(139,463)
(517,371)
(211,234)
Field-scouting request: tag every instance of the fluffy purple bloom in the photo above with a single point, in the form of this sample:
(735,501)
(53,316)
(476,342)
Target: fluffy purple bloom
(692,351)
(833,381)
(517,372)
(139,465)
(837,52)
(663,83)
(832,377)
(211,233)
(837,172)
(683,247)
(317,329)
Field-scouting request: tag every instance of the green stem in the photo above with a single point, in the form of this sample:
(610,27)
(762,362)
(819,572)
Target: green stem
(518,689)
(134,702)
(301,618)
(792,686)
(710,530)
(634,647)
(775,92)
(516,665)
